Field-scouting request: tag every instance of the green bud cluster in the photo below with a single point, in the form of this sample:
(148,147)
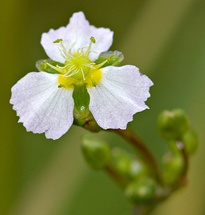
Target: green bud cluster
(175,126)
(139,186)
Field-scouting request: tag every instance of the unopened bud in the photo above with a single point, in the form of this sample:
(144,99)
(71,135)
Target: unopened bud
(172,124)
(95,152)
(121,161)
(137,170)
(190,141)
(172,167)
(141,191)
(127,165)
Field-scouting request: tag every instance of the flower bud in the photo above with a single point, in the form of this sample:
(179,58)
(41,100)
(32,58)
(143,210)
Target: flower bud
(172,167)
(141,191)
(95,152)
(121,161)
(126,165)
(191,142)
(137,169)
(172,124)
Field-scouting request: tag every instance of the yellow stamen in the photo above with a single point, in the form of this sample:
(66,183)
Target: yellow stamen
(78,69)
(92,40)
(57,68)
(104,62)
(58,41)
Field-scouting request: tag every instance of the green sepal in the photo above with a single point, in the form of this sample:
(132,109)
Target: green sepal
(82,114)
(42,65)
(114,61)
(96,152)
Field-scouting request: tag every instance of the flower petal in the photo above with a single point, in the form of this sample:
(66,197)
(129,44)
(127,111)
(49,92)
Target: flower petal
(121,93)
(41,105)
(52,49)
(78,30)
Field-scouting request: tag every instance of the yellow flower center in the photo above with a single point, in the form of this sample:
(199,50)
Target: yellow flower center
(78,70)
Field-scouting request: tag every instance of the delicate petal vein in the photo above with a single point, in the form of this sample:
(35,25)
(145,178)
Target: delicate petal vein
(121,93)
(42,106)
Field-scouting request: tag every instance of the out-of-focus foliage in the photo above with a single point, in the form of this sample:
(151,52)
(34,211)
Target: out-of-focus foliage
(165,39)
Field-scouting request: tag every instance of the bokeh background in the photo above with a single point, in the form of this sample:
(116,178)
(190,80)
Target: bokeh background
(165,39)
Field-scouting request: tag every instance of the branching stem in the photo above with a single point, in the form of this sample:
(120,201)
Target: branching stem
(145,153)
(120,181)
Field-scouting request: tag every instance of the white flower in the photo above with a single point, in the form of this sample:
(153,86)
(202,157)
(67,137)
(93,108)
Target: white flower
(44,101)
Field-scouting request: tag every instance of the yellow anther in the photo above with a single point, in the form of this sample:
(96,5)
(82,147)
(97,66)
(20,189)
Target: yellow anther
(58,41)
(104,62)
(92,39)
(110,57)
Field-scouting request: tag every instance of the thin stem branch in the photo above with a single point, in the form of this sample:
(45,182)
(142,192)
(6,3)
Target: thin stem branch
(182,179)
(111,172)
(185,157)
(145,153)
(142,210)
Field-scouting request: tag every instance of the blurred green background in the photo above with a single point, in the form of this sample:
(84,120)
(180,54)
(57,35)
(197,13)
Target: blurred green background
(165,39)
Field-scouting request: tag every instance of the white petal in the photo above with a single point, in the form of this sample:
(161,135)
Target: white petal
(52,49)
(78,30)
(41,105)
(120,94)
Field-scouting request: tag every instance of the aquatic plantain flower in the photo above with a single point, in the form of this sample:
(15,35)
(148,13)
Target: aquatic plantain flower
(44,101)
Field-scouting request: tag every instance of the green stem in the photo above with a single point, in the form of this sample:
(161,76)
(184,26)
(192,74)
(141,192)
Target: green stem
(142,210)
(111,172)
(185,157)
(145,153)
(182,179)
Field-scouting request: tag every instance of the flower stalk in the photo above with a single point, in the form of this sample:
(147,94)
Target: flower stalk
(115,175)
(182,180)
(185,157)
